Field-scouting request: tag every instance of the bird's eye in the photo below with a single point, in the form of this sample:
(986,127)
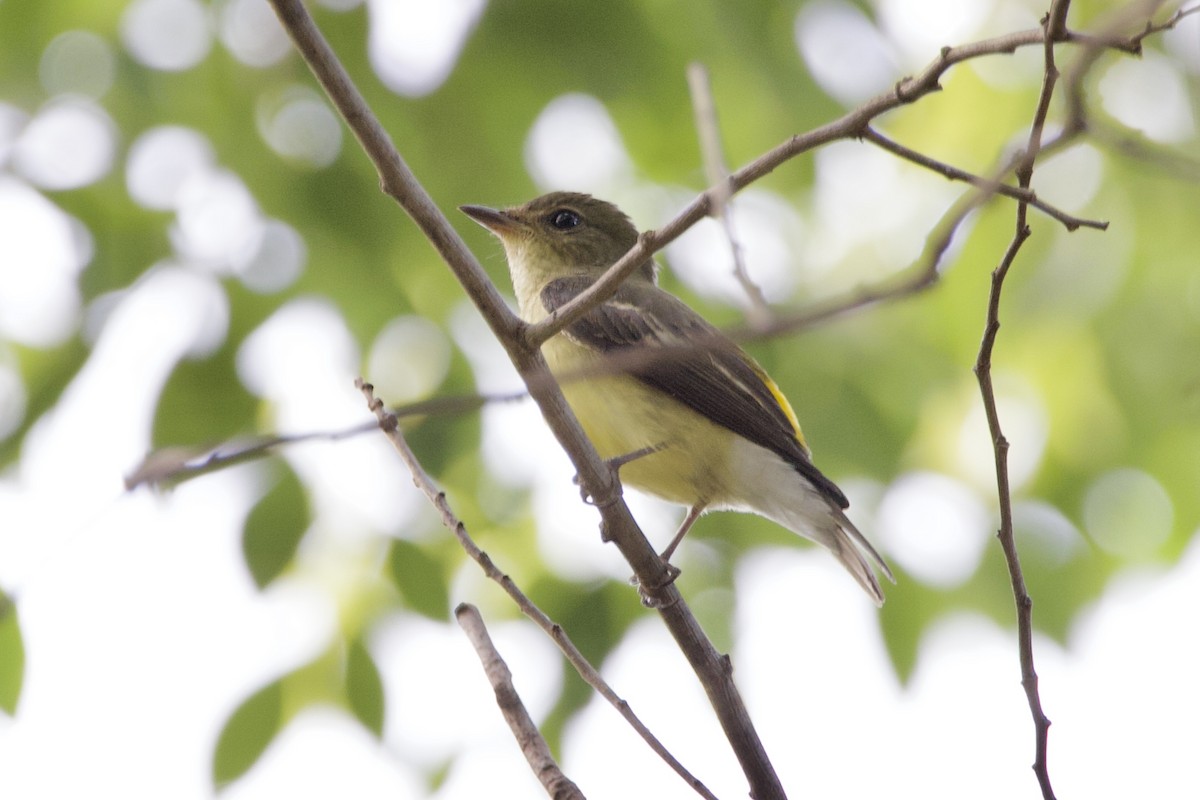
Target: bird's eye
(564,219)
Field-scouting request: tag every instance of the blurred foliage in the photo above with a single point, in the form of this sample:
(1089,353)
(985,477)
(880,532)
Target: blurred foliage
(364,687)
(1103,335)
(248,732)
(12,655)
(419,577)
(273,529)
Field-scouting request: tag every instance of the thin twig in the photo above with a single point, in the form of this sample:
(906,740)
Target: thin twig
(171,466)
(1071,223)
(917,277)
(715,168)
(423,481)
(851,125)
(1112,36)
(1054,23)
(1103,130)
(533,745)
(1155,28)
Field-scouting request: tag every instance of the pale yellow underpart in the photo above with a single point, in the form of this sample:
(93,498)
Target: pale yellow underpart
(700,463)
(621,415)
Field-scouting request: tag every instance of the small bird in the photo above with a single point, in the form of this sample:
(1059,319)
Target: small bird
(711,428)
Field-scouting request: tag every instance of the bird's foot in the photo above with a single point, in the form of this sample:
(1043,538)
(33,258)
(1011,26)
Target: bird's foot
(650,593)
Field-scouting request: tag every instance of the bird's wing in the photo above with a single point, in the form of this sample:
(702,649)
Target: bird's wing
(700,367)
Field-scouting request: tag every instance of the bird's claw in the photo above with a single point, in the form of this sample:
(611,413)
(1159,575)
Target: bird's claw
(649,592)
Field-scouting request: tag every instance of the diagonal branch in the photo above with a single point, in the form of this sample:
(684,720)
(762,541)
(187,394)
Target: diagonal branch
(596,478)
(1071,223)
(423,481)
(533,745)
(395,177)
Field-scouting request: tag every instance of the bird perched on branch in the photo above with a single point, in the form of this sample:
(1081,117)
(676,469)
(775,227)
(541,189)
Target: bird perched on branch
(714,429)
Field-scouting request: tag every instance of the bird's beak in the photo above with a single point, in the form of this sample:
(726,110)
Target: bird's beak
(498,222)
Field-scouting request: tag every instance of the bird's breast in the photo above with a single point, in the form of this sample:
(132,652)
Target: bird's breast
(622,415)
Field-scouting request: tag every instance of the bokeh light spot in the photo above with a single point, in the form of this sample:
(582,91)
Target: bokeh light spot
(934,527)
(859,234)
(42,251)
(1128,513)
(219,224)
(299,126)
(12,121)
(277,261)
(1044,532)
(250,30)
(1149,95)
(70,143)
(844,51)
(1071,177)
(1026,425)
(408,360)
(78,62)
(162,161)
(170,35)
(922,29)
(574,145)
(413,44)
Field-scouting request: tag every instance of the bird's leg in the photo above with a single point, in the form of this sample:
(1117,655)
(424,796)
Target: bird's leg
(672,570)
(693,514)
(616,462)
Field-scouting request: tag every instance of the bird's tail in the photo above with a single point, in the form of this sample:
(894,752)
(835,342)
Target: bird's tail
(833,529)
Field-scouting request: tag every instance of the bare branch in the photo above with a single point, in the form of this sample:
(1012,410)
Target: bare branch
(919,276)
(718,177)
(171,466)
(1154,28)
(533,746)
(597,479)
(423,481)
(1071,223)
(395,177)
(1054,24)
(852,125)
(1113,34)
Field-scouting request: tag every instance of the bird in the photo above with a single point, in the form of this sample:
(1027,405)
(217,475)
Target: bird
(698,422)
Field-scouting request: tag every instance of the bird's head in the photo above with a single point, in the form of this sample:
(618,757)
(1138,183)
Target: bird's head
(559,234)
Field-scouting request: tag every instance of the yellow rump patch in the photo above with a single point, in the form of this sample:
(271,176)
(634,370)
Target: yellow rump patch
(782,401)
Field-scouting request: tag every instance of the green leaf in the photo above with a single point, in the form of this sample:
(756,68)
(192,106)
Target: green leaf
(247,733)
(12,655)
(203,402)
(274,527)
(421,580)
(910,609)
(364,687)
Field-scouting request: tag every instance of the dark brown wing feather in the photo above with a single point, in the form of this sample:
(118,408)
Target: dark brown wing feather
(715,379)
